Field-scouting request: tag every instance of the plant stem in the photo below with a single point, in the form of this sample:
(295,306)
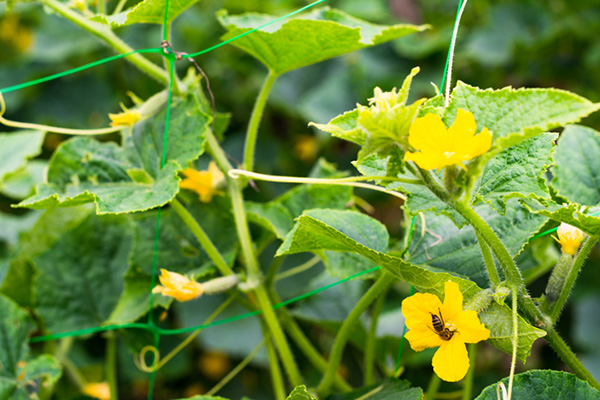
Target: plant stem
(572,276)
(433,387)
(384,280)
(103,32)
(567,355)
(299,269)
(257,112)
(275,369)
(372,338)
(515,339)
(202,237)
(255,277)
(467,393)
(489,261)
(111,364)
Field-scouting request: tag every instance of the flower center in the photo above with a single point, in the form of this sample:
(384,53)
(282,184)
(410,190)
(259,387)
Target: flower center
(448,154)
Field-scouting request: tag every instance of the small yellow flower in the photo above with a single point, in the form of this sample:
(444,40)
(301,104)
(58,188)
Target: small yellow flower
(569,238)
(384,101)
(205,183)
(98,390)
(126,118)
(178,286)
(444,325)
(439,147)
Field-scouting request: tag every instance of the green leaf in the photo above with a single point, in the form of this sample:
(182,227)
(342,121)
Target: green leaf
(390,388)
(272,216)
(13,225)
(84,170)
(498,319)
(83,273)
(178,251)
(18,147)
(545,384)
(345,127)
(21,184)
(19,374)
(513,115)
(202,397)
(312,234)
(577,169)
(517,172)
(308,39)
(300,393)
(147,12)
(568,213)
(457,250)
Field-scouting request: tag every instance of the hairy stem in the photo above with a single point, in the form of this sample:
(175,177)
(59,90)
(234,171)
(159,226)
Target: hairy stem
(202,237)
(275,369)
(372,338)
(467,393)
(572,276)
(103,32)
(489,261)
(384,280)
(515,339)
(257,112)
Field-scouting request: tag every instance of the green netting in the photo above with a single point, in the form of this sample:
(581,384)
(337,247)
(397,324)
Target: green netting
(171,57)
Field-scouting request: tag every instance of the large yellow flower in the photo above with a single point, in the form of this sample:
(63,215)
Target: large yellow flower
(444,325)
(439,147)
(205,183)
(178,286)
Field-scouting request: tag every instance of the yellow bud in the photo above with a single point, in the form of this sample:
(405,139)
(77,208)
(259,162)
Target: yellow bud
(569,238)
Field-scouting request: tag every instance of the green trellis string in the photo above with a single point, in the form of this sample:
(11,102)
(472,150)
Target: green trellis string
(150,324)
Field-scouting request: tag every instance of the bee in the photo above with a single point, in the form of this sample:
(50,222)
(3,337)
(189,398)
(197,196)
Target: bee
(439,326)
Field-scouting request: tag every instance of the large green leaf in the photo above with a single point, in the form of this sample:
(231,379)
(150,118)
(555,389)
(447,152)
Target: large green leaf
(308,39)
(16,148)
(513,115)
(312,234)
(577,169)
(127,178)
(80,278)
(391,388)
(446,247)
(21,184)
(544,385)
(517,171)
(19,374)
(147,12)
(178,251)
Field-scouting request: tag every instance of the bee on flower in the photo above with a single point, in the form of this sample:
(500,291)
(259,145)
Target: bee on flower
(205,183)
(440,147)
(432,323)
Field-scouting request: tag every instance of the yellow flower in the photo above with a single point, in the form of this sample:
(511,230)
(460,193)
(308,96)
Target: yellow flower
(205,183)
(439,147)
(98,390)
(126,118)
(178,286)
(569,238)
(444,325)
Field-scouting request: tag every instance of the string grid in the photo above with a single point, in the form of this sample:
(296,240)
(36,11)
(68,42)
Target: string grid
(171,57)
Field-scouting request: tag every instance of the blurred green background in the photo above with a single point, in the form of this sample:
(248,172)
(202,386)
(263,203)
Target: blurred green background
(525,43)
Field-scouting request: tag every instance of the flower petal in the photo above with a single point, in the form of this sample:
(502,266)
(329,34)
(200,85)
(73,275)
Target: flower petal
(429,134)
(451,361)
(427,161)
(462,130)
(470,329)
(172,279)
(417,309)
(476,146)
(422,338)
(453,302)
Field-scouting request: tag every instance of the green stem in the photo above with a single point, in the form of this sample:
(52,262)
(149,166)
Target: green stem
(467,393)
(372,338)
(433,387)
(103,32)
(111,365)
(384,280)
(255,277)
(572,276)
(275,369)
(570,359)
(257,112)
(515,339)
(489,261)
(299,269)
(202,237)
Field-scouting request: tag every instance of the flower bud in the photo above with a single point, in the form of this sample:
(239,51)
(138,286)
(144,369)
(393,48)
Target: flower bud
(569,238)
